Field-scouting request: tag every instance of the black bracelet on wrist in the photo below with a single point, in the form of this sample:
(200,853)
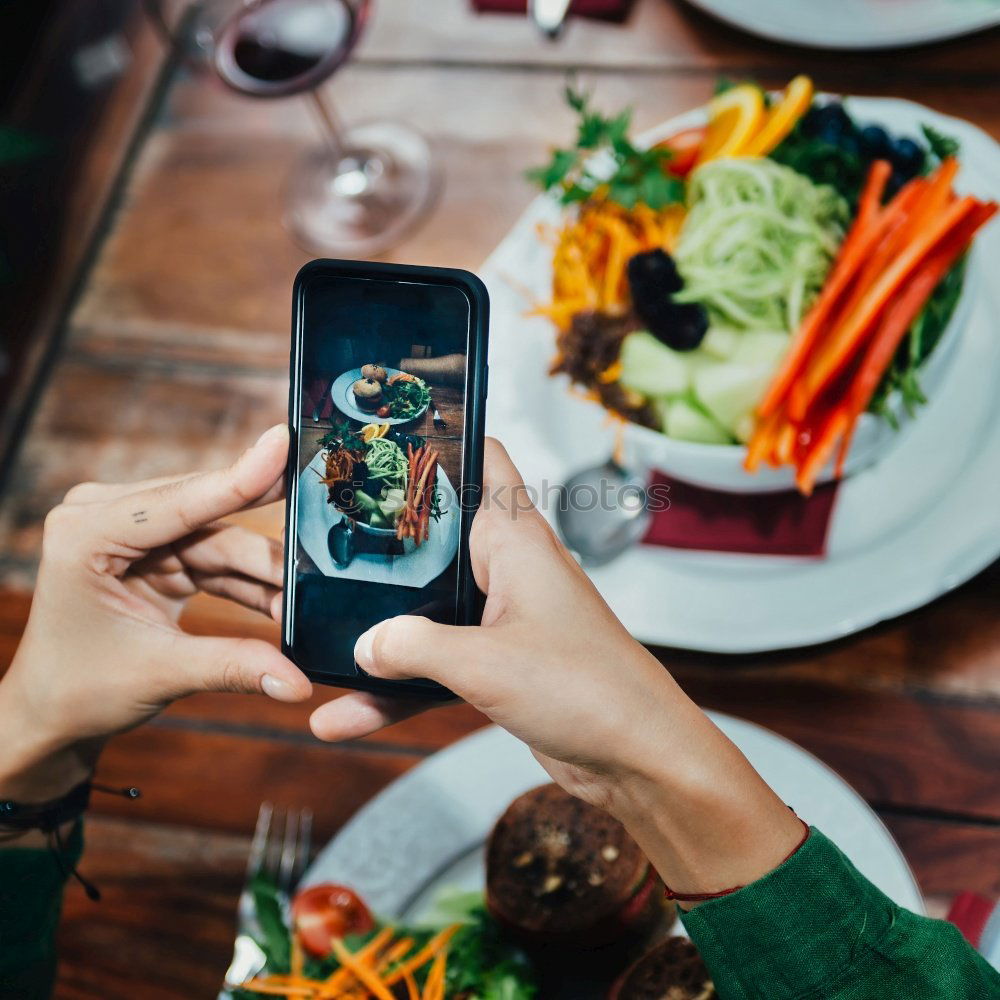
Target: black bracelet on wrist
(51,816)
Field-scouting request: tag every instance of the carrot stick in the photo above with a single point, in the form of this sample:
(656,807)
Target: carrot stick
(869,204)
(851,330)
(423,526)
(785,444)
(900,316)
(872,254)
(854,251)
(418,498)
(762,441)
(371,979)
(820,450)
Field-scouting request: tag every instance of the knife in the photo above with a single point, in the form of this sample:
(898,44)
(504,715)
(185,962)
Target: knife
(549,15)
(319,404)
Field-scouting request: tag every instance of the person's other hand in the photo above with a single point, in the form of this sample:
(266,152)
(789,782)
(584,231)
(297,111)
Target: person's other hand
(550,663)
(102,650)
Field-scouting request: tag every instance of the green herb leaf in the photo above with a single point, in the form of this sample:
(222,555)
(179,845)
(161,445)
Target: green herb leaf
(941,145)
(903,375)
(274,939)
(635,176)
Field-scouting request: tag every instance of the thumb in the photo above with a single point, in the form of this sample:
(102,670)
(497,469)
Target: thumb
(242,666)
(409,646)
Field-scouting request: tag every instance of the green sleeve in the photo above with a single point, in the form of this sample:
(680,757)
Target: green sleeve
(816,929)
(31,884)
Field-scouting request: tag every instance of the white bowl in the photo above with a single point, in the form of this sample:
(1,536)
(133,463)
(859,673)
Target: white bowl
(720,466)
(386,534)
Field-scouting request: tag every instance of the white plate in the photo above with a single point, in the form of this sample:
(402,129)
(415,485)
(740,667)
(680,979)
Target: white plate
(920,522)
(855,24)
(414,568)
(343,398)
(426,831)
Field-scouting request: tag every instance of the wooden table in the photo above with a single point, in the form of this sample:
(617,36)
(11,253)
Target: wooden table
(175,356)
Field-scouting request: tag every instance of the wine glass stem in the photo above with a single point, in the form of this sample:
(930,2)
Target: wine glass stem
(328,120)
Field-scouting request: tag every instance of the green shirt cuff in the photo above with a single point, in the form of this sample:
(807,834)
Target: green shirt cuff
(796,931)
(31,884)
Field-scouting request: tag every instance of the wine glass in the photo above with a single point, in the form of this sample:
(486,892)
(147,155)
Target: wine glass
(371,183)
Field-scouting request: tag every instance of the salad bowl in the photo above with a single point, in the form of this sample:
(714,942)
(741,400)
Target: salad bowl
(721,466)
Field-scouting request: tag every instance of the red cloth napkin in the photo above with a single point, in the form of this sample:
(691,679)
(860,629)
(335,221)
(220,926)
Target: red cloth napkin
(607,10)
(970,913)
(777,524)
(317,389)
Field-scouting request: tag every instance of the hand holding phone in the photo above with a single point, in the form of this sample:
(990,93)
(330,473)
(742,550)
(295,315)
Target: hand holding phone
(388,382)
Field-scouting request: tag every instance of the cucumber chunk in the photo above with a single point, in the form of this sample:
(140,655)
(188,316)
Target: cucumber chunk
(652,368)
(685,422)
(761,347)
(731,391)
(720,342)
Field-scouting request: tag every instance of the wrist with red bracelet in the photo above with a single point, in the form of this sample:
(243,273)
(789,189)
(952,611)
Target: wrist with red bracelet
(701,897)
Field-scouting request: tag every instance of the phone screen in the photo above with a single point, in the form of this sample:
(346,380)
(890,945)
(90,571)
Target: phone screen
(376,501)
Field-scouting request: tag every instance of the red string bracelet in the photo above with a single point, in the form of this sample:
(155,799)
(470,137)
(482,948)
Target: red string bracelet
(700,897)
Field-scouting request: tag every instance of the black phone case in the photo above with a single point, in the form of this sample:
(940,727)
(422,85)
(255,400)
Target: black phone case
(470,600)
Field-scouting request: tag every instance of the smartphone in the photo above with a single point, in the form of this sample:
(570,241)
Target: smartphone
(386,409)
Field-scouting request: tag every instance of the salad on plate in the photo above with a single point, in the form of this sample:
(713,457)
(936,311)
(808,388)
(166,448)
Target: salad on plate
(390,393)
(760,282)
(571,909)
(384,480)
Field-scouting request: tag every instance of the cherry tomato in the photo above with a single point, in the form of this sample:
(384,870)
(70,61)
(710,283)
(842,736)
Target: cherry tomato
(685,146)
(323,912)
(382,411)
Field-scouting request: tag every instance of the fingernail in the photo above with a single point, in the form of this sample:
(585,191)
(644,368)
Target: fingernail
(364,646)
(271,434)
(276,688)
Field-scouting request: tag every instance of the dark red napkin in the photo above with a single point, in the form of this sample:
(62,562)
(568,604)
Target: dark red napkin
(318,389)
(774,524)
(970,913)
(606,10)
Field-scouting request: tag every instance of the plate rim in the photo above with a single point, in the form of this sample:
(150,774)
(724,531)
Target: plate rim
(982,21)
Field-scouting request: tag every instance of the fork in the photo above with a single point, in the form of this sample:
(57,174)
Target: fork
(282,857)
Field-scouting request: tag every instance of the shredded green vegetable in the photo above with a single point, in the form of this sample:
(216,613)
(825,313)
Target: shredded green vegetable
(757,243)
(386,461)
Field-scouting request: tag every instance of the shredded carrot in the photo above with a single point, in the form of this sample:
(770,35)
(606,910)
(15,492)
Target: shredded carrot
(342,976)
(592,252)
(434,987)
(422,957)
(371,979)
(395,953)
(276,989)
(412,991)
(298,959)
(611,374)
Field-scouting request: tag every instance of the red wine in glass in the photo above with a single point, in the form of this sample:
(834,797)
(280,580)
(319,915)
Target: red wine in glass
(274,48)
(373,182)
